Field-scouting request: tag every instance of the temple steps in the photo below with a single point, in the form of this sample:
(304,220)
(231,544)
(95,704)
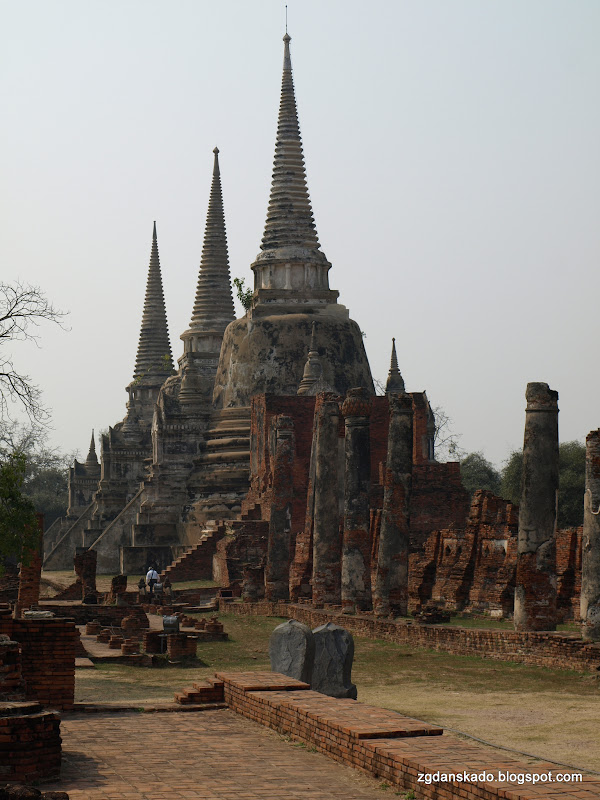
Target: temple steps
(196,562)
(221,476)
(208,691)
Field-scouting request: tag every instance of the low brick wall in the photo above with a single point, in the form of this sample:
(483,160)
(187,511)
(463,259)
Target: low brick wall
(30,745)
(557,650)
(108,616)
(47,658)
(388,745)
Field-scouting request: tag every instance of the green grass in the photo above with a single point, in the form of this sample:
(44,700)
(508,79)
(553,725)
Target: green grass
(247,648)
(199,584)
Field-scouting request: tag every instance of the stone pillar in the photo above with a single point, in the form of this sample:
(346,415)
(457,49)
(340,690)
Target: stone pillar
(356,548)
(390,593)
(590,550)
(535,592)
(327,544)
(277,572)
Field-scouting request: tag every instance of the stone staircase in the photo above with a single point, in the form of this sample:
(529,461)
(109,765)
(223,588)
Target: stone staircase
(209,691)
(196,562)
(221,477)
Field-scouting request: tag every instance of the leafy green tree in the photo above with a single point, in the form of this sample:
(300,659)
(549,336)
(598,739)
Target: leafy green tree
(571,476)
(243,295)
(510,488)
(18,522)
(476,472)
(46,470)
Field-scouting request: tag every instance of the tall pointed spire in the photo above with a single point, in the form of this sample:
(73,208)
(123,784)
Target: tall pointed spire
(92,458)
(213,306)
(154,348)
(289,217)
(290,232)
(395,382)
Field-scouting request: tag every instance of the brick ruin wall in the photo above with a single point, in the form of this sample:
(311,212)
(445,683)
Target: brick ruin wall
(47,658)
(40,665)
(463,551)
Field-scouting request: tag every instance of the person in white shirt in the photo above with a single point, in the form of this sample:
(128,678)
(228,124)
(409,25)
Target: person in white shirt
(151,579)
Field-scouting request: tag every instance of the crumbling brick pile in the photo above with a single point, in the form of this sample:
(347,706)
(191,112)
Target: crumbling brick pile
(84,586)
(118,590)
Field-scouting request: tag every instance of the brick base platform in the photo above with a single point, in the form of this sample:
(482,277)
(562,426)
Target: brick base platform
(399,749)
(29,743)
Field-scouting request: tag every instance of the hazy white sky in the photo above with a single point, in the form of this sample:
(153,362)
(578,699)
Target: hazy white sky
(452,151)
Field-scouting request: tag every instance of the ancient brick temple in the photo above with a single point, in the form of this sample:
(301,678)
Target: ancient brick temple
(265,460)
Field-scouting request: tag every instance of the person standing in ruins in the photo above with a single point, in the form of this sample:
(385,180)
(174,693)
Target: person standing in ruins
(151,579)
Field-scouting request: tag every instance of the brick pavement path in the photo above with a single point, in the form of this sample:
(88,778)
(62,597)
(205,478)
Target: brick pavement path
(213,755)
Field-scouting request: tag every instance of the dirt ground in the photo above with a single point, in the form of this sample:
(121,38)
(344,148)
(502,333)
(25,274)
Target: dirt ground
(553,714)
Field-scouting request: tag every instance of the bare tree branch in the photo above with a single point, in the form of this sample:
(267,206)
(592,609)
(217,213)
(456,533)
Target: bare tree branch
(446,441)
(21,307)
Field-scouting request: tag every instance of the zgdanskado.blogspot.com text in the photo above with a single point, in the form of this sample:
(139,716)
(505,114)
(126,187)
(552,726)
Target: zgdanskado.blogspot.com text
(500,776)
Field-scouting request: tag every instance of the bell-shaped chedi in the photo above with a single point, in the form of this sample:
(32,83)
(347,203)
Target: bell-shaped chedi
(265,351)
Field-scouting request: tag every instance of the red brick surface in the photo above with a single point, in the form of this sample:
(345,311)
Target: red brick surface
(215,755)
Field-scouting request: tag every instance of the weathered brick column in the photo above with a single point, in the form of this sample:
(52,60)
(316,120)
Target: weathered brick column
(277,572)
(85,569)
(390,593)
(30,574)
(590,549)
(327,543)
(356,548)
(535,592)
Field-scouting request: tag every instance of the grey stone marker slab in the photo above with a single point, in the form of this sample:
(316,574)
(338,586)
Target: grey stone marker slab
(334,654)
(292,650)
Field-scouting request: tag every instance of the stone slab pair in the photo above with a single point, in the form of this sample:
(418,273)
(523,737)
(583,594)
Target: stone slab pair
(322,658)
